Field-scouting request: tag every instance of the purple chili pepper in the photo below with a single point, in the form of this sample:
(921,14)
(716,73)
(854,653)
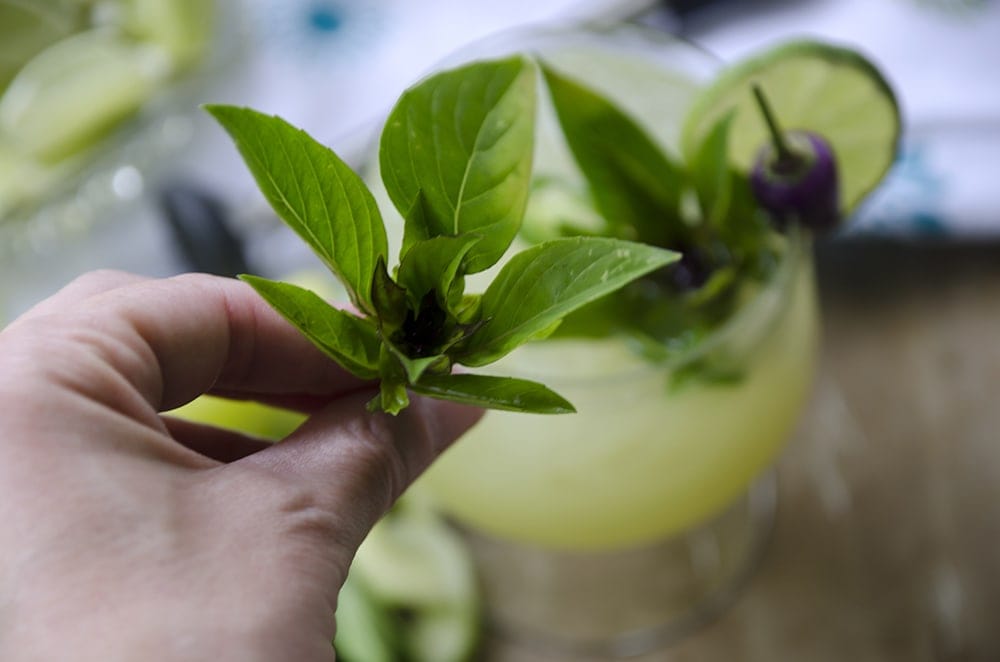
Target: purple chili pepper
(795,177)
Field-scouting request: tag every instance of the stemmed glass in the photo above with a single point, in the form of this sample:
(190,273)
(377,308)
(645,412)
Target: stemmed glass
(618,529)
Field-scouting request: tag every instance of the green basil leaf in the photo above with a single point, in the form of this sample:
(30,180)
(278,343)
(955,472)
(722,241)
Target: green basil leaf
(415,367)
(704,372)
(635,185)
(351,341)
(314,192)
(723,279)
(710,172)
(546,282)
(463,139)
(392,397)
(388,298)
(745,228)
(506,393)
(468,310)
(416,224)
(434,265)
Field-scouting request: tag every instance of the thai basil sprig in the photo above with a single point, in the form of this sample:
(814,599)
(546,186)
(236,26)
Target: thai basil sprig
(700,206)
(455,157)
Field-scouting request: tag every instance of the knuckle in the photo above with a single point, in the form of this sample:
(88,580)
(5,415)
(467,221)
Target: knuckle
(377,459)
(380,457)
(294,504)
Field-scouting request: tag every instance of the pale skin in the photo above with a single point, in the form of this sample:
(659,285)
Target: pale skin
(125,535)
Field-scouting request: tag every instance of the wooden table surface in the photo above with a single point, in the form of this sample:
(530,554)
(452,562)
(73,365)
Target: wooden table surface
(887,540)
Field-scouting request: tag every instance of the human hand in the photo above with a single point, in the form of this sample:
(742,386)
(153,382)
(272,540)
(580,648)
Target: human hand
(127,535)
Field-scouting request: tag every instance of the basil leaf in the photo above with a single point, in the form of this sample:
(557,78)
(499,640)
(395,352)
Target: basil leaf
(506,393)
(415,367)
(705,372)
(351,341)
(392,397)
(726,200)
(745,228)
(546,282)
(388,298)
(433,266)
(463,139)
(636,186)
(710,173)
(468,309)
(416,224)
(314,192)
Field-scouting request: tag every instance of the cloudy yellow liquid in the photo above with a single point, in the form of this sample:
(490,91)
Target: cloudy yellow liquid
(639,461)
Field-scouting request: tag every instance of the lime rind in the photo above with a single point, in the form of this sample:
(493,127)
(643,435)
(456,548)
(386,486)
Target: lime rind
(815,86)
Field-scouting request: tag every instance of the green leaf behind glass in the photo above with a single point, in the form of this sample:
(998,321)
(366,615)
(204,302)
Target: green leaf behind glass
(463,140)
(710,172)
(727,203)
(635,185)
(507,393)
(349,340)
(546,282)
(315,193)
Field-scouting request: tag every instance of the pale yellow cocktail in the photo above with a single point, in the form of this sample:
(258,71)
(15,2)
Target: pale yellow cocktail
(641,459)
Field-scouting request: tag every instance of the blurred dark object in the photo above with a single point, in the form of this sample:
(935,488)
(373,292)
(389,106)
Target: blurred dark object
(199,224)
(877,271)
(690,16)
(682,7)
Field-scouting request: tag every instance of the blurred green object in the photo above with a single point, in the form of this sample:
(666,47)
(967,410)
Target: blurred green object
(245,416)
(72,72)
(28,26)
(71,94)
(365,628)
(419,587)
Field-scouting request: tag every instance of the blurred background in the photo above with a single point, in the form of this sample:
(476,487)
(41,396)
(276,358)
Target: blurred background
(104,152)
(885,543)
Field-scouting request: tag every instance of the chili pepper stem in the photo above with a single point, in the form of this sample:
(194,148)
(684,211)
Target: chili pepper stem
(787,158)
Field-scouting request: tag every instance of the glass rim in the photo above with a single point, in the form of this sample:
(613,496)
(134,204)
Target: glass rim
(582,29)
(626,37)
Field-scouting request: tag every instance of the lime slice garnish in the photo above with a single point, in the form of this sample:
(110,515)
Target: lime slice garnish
(833,91)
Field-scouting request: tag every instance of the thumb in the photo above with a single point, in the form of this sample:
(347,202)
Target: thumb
(351,464)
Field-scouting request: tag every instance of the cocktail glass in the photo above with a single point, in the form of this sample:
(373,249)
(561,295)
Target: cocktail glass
(621,527)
